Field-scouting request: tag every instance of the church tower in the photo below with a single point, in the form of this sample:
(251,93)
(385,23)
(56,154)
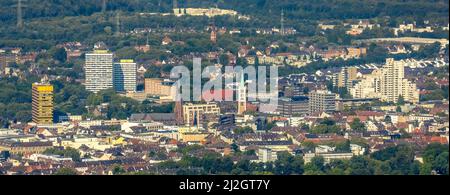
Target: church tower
(242,96)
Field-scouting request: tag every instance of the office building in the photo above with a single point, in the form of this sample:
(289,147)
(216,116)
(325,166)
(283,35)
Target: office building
(322,101)
(125,76)
(42,103)
(193,113)
(159,87)
(296,106)
(99,70)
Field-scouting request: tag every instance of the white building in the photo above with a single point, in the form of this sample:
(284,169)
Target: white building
(266,155)
(125,76)
(388,83)
(99,70)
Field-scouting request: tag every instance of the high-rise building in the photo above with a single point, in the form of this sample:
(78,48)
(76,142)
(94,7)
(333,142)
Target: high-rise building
(388,83)
(99,70)
(42,103)
(322,101)
(346,77)
(125,76)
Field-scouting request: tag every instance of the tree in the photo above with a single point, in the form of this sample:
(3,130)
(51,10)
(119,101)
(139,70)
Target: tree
(242,130)
(117,170)
(435,157)
(401,100)
(358,126)
(235,147)
(316,166)
(359,165)
(343,146)
(60,55)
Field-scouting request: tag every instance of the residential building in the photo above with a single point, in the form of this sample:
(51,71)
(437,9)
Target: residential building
(346,77)
(266,155)
(387,83)
(99,70)
(42,103)
(24,147)
(125,76)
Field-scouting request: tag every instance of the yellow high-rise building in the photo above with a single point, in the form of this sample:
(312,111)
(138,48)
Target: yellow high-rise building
(42,103)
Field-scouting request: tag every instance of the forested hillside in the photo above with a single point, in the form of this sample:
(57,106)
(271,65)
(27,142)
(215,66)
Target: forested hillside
(299,9)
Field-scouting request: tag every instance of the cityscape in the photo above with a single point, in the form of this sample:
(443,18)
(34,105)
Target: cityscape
(116,87)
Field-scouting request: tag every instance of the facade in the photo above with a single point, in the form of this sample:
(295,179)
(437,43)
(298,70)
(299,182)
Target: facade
(158,87)
(328,157)
(125,76)
(211,12)
(297,106)
(322,101)
(42,103)
(24,147)
(388,84)
(354,52)
(266,155)
(346,77)
(99,71)
(192,113)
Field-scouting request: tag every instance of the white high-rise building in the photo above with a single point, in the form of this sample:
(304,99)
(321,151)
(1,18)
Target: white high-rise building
(125,76)
(99,70)
(388,84)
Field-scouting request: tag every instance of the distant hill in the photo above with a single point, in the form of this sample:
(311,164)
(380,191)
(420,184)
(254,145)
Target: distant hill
(295,9)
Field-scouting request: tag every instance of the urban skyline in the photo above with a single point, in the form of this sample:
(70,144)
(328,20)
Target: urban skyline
(224,88)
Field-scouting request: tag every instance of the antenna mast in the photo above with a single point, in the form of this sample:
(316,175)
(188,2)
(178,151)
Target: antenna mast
(282,31)
(118,23)
(104,5)
(19,13)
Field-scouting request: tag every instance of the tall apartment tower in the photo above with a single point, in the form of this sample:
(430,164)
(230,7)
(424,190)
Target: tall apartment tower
(99,70)
(42,103)
(125,76)
(345,78)
(393,83)
(388,84)
(322,101)
(242,97)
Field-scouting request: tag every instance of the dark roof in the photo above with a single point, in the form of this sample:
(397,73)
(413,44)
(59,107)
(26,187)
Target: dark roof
(263,143)
(25,144)
(153,117)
